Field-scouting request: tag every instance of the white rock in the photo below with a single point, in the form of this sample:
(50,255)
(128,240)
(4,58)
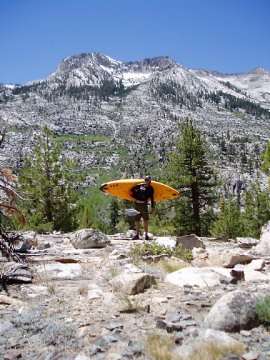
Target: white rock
(208,277)
(132,283)
(220,337)
(234,311)
(190,241)
(168,242)
(58,270)
(228,258)
(88,239)
(202,277)
(258,264)
(264,245)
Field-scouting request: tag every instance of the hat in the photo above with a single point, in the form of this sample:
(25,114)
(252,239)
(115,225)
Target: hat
(147,178)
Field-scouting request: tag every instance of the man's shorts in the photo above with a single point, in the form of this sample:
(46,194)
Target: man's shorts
(143,209)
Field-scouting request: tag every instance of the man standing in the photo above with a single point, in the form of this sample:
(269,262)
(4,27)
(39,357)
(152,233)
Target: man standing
(143,193)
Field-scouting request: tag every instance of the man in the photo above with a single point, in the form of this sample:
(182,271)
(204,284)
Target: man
(143,193)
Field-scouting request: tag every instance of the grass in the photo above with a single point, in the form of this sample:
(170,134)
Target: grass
(160,347)
(51,288)
(76,138)
(209,350)
(152,248)
(42,277)
(122,152)
(15,129)
(171,265)
(240,115)
(263,309)
(83,289)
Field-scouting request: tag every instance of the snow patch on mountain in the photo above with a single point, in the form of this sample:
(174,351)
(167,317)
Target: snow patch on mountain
(256,84)
(133,78)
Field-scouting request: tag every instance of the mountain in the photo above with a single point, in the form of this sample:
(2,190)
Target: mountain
(123,117)
(93,69)
(255,84)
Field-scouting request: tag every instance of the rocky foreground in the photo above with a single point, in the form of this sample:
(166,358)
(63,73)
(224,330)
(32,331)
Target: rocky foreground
(82,296)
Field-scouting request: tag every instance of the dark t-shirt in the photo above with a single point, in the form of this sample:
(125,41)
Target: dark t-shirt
(143,193)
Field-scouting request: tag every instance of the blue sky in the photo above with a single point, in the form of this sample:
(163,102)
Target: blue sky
(229,36)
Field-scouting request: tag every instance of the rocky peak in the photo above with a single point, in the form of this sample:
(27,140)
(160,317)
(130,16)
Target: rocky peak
(87,60)
(93,68)
(260,71)
(154,64)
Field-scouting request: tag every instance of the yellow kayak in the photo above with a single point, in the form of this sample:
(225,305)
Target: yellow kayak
(121,189)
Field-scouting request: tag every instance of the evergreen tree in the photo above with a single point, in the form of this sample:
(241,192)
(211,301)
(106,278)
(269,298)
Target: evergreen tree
(257,201)
(229,224)
(189,170)
(114,215)
(85,221)
(257,210)
(184,219)
(266,159)
(46,179)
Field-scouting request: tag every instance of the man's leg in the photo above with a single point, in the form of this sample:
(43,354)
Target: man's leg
(137,222)
(146,229)
(137,227)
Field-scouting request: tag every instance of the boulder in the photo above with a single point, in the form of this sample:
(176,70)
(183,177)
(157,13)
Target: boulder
(132,283)
(209,277)
(130,233)
(190,241)
(229,258)
(233,312)
(246,242)
(264,244)
(17,273)
(238,274)
(132,280)
(201,277)
(258,265)
(89,239)
(200,257)
(29,236)
(22,242)
(200,252)
(167,241)
(249,275)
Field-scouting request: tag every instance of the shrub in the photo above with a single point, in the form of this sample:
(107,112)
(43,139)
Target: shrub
(263,309)
(152,248)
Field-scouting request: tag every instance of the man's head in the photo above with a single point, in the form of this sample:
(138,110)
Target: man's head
(147,179)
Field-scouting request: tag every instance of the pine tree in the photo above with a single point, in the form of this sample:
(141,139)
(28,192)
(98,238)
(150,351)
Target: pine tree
(46,179)
(114,215)
(257,210)
(266,159)
(189,170)
(85,219)
(257,200)
(229,224)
